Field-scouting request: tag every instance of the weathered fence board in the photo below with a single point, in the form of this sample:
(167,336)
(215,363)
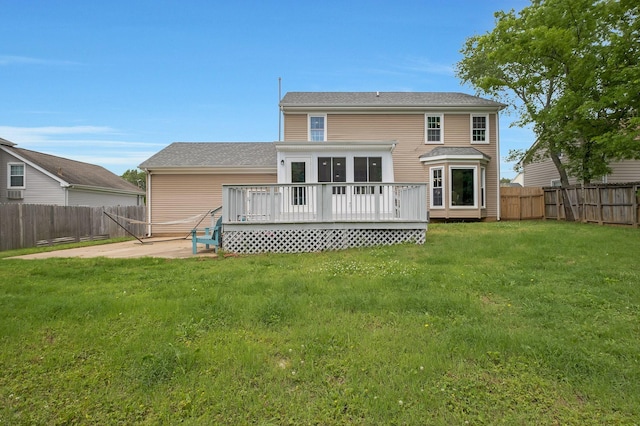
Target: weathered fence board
(517,203)
(615,204)
(31,225)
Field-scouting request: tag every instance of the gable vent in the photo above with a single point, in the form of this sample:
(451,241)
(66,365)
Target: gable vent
(15,194)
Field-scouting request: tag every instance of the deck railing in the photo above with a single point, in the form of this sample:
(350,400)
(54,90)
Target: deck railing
(325,202)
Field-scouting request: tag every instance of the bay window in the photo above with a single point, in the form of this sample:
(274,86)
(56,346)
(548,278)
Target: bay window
(463,186)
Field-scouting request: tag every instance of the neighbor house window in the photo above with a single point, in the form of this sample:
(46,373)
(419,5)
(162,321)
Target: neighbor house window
(434,129)
(479,129)
(317,128)
(16,175)
(333,169)
(437,187)
(367,169)
(463,187)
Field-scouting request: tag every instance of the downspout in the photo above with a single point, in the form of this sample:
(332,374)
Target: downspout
(148,202)
(498,165)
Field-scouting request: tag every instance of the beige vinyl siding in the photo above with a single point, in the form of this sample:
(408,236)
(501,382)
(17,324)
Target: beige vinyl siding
(406,129)
(177,197)
(457,129)
(295,127)
(624,171)
(542,172)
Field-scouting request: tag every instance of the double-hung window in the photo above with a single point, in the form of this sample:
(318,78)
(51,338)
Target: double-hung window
(480,128)
(367,169)
(433,126)
(16,175)
(333,169)
(437,187)
(318,128)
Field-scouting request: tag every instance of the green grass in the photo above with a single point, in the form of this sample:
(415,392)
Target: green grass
(496,323)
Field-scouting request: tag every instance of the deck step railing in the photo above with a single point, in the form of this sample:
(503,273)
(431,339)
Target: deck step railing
(325,202)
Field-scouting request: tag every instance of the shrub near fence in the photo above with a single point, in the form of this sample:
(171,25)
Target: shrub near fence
(31,225)
(616,204)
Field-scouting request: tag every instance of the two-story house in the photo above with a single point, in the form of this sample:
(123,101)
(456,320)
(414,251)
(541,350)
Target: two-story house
(341,151)
(450,140)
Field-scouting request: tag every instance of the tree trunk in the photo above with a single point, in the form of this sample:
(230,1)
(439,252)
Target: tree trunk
(564,182)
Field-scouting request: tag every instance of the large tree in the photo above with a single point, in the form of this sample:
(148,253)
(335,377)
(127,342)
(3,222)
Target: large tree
(570,68)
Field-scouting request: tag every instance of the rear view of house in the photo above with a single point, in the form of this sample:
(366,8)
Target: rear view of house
(450,140)
(378,163)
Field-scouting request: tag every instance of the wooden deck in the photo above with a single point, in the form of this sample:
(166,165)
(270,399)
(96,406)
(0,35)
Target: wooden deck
(313,217)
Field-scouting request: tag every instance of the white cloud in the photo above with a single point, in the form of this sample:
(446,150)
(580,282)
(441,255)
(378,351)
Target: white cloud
(426,66)
(26,60)
(83,143)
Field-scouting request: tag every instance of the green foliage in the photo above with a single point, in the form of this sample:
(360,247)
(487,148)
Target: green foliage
(486,323)
(136,177)
(570,68)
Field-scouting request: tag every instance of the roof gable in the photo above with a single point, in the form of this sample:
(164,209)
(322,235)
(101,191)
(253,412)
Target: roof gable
(214,155)
(75,172)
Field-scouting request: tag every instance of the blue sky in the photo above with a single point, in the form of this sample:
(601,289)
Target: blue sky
(113,82)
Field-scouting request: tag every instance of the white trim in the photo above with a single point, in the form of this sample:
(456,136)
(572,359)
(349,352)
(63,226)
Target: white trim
(309,117)
(426,129)
(441,158)
(483,187)
(487,134)
(475,187)
(24,175)
(443,187)
(498,206)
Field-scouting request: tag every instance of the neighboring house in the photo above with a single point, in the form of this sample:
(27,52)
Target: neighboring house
(32,177)
(448,140)
(544,173)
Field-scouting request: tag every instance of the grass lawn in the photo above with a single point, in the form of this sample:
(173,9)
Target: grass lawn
(486,323)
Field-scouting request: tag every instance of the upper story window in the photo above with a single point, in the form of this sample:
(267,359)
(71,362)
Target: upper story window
(318,128)
(16,175)
(433,126)
(480,129)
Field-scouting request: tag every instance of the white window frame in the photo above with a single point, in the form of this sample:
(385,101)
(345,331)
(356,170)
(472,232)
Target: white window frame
(556,183)
(483,187)
(486,129)
(24,175)
(432,187)
(309,117)
(426,129)
(475,187)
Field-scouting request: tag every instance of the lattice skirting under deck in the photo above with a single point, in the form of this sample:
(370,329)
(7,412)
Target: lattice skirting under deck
(311,240)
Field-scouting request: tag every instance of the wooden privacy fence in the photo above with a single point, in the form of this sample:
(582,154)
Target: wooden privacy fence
(517,203)
(616,204)
(31,225)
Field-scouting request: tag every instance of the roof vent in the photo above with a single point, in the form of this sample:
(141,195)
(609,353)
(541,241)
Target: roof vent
(377,94)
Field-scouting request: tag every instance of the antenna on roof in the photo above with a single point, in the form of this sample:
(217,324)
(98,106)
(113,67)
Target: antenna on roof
(279,109)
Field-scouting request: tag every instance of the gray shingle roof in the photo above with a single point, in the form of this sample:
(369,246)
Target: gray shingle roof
(388,99)
(214,154)
(76,172)
(453,150)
